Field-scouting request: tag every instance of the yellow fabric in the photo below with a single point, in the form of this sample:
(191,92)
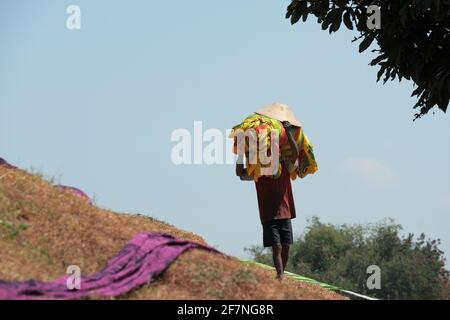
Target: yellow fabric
(262,127)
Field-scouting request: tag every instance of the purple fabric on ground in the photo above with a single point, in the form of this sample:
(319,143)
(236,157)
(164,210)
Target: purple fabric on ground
(5,163)
(145,257)
(76,191)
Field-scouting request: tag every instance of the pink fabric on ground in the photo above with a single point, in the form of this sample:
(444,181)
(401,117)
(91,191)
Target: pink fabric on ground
(145,257)
(5,163)
(75,191)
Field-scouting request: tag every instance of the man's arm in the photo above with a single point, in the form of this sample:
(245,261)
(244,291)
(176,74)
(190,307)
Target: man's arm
(241,172)
(291,140)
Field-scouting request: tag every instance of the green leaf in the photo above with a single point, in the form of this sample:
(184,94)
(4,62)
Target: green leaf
(333,18)
(337,20)
(366,42)
(324,6)
(296,15)
(381,71)
(378,59)
(305,17)
(291,7)
(348,21)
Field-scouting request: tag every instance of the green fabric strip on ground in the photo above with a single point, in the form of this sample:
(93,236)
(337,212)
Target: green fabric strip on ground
(296,276)
(351,294)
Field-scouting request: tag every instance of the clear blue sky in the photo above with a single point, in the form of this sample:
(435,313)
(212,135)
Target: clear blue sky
(97,106)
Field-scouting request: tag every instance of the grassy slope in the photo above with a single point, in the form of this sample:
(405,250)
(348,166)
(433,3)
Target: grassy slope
(44,229)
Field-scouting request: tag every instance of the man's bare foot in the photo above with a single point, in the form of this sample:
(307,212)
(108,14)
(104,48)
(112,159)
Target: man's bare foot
(280,277)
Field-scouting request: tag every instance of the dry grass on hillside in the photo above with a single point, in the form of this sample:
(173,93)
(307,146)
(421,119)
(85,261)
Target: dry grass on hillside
(44,229)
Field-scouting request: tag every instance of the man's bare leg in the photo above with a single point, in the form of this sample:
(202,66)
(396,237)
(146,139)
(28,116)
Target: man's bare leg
(285,254)
(277,260)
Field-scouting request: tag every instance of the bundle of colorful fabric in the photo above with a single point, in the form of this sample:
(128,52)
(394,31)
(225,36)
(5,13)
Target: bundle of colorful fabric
(270,134)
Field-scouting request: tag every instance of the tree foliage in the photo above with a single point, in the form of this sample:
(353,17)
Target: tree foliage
(411,268)
(413,41)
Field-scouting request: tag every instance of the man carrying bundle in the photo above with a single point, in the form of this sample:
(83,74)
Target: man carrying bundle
(274,193)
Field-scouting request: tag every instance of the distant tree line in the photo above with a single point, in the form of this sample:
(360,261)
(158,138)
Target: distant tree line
(411,268)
